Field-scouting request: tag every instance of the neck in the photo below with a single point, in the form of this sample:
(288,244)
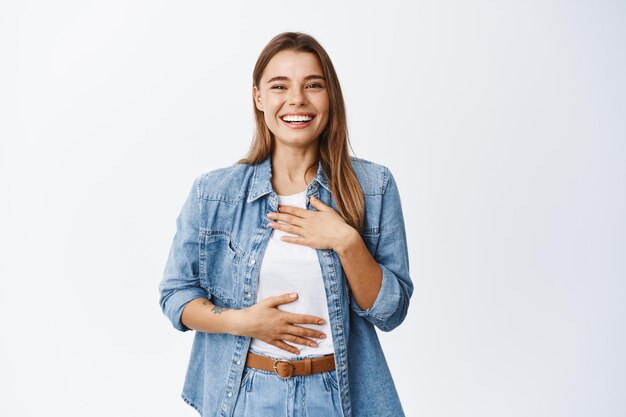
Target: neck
(293,169)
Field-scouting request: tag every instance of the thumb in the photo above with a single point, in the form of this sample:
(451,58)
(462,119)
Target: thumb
(283,299)
(319,204)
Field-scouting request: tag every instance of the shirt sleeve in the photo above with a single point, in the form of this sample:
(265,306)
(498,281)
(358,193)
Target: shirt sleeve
(392,303)
(180,283)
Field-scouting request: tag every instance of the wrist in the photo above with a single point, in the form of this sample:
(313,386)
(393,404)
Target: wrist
(237,322)
(346,240)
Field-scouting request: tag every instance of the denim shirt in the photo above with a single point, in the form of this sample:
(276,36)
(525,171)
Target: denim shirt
(217,251)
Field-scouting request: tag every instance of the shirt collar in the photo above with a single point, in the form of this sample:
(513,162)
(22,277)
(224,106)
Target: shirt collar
(262,184)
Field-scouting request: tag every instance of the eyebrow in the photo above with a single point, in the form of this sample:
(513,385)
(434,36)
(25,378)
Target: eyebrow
(308,77)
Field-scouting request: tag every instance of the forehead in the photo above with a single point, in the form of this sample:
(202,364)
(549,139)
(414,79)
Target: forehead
(292,64)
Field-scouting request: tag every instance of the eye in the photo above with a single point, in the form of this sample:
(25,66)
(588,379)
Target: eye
(277,87)
(316,85)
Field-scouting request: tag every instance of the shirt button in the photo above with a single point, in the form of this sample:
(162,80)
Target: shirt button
(238,362)
(333,289)
(229,394)
(252,262)
(325,253)
(247,295)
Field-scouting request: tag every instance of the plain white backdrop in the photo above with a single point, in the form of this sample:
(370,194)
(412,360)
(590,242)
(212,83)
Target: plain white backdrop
(502,121)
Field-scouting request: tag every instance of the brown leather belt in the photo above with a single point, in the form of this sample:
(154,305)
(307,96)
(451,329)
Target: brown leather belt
(286,368)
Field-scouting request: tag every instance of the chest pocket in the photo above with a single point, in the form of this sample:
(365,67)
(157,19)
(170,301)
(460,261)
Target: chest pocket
(219,263)
(370,238)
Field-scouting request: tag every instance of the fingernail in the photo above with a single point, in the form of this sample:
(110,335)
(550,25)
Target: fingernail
(292,295)
(321,321)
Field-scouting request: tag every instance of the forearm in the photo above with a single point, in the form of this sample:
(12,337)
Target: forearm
(202,315)
(361,270)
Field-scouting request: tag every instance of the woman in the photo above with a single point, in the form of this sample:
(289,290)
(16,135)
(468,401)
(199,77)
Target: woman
(297,215)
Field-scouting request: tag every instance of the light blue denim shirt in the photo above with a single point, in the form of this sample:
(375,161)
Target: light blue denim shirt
(217,252)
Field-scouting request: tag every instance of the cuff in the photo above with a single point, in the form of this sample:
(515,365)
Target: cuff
(174,304)
(386,304)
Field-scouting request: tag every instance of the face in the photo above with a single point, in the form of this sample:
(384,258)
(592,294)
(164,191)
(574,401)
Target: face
(293,97)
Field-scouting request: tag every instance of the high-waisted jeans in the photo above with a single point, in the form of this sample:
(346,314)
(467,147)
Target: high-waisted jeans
(265,394)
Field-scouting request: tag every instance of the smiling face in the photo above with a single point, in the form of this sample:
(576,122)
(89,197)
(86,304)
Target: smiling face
(293,97)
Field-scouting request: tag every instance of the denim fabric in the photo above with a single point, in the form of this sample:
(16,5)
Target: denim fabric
(217,251)
(265,394)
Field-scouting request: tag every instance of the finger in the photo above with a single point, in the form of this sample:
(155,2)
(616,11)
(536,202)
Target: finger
(304,332)
(294,338)
(288,218)
(298,240)
(296,211)
(303,319)
(319,204)
(296,230)
(281,299)
(285,346)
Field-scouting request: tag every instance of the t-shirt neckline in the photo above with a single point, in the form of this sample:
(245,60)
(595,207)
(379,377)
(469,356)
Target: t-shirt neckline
(292,195)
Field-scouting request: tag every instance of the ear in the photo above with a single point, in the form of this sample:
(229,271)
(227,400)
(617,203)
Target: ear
(257,98)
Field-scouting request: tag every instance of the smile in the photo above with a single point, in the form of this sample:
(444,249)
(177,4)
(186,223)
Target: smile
(297,121)
(297,118)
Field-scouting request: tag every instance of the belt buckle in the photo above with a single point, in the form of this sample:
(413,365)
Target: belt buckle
(286,361)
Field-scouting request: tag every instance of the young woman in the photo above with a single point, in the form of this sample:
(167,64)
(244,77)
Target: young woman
(300,216)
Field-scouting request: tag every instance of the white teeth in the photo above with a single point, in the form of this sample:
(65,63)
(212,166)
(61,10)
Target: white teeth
(297,118)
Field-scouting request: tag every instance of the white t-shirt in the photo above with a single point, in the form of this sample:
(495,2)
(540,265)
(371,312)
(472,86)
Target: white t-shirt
(289,267)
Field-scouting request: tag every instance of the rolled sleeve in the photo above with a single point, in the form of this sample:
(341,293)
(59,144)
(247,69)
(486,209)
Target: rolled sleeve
(180,283)
(392,302)
(174,301)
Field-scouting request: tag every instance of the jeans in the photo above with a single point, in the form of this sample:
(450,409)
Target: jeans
(265,394)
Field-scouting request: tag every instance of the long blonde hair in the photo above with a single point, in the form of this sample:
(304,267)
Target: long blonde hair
(333,142)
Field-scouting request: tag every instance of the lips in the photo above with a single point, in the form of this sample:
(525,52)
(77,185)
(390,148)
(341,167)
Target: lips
(297,117)
(297,120)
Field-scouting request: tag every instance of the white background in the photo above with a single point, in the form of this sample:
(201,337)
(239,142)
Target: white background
(503,123)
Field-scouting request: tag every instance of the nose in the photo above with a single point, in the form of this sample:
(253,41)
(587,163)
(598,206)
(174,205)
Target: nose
(296,96)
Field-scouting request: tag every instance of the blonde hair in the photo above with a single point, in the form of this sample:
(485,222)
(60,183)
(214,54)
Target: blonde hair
(333,142)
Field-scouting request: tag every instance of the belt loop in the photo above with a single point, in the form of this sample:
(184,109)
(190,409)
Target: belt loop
(307,366)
